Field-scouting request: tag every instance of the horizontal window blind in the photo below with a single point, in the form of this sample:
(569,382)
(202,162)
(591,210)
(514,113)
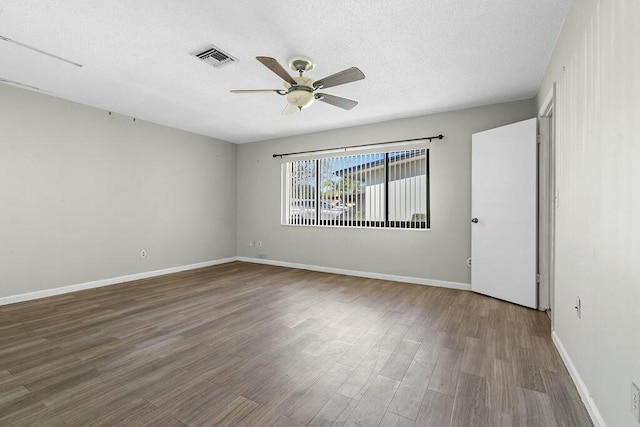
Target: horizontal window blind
(379,190)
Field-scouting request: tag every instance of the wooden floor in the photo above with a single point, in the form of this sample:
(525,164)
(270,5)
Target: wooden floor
(256,345)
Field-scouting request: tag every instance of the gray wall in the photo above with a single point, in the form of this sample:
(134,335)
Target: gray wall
(597,111)
(438,254)
(81,192)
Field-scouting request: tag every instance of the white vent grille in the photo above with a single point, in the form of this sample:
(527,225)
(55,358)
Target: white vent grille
(214,56)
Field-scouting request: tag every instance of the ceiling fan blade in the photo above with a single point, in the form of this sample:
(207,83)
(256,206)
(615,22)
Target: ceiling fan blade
(346,76)
(290,109)
(275,66)
(336,101)
(256,90)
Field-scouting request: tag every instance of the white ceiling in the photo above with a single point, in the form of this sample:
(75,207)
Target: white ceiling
(419,56)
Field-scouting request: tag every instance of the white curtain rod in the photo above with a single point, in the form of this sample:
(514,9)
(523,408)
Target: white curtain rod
(343,149)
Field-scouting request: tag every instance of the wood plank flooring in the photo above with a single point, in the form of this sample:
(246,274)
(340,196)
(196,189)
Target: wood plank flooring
(256,345)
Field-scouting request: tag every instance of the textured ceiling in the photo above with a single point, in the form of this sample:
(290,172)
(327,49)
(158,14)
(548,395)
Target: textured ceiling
(419,56)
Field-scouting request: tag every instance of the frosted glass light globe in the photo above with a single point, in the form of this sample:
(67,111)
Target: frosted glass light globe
(301,98)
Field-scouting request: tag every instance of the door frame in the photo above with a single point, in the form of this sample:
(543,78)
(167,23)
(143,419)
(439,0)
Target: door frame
(547,203)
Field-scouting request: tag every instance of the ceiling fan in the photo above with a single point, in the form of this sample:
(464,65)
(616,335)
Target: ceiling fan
(301,91)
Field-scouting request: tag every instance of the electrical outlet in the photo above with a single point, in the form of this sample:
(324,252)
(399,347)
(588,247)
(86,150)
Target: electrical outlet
(469,262)
(259,244)
(143,253)
(635,401)
(578,307)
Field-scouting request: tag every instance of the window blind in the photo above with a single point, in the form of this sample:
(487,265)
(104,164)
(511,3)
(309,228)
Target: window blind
(384,189)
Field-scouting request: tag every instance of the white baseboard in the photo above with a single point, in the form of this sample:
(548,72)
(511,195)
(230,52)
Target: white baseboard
(596,418)
(369,275)
(137,276)
(106,282)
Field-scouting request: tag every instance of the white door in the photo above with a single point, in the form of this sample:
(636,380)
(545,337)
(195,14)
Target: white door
(503,211)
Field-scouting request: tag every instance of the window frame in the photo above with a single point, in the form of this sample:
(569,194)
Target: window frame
(385,224)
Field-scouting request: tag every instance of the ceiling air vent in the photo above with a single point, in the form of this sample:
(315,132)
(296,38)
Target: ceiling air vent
(214,56)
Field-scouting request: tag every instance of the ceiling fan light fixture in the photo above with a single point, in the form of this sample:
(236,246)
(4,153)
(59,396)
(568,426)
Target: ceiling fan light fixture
(300,98)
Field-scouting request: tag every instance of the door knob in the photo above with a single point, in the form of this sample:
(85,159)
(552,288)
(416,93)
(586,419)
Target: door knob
(474,220)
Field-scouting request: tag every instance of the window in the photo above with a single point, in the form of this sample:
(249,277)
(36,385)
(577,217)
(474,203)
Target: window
(380,190)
